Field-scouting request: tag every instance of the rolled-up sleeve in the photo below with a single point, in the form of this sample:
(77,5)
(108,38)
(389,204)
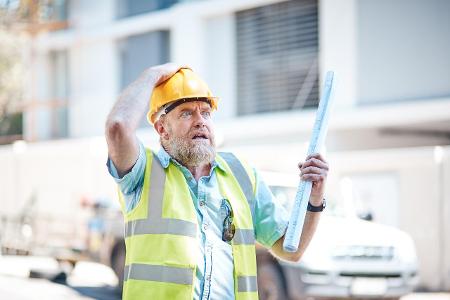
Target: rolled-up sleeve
(131,183)
(271,218)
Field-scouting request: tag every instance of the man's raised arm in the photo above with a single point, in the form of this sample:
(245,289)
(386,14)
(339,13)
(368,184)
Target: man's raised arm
(126,115)
(314,169)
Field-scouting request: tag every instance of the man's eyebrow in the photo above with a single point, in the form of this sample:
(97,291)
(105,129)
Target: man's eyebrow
(206,107)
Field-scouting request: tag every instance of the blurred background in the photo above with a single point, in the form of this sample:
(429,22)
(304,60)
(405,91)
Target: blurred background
(386,232)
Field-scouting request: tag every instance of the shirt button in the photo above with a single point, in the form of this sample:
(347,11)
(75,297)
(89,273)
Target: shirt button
(202,203)
(205,226)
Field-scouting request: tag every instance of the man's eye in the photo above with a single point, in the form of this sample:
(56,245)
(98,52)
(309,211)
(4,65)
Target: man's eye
(186,114)
(206,114)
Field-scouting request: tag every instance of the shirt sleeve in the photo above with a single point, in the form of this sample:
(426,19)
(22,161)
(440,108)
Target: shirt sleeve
(131,183)
(271,218)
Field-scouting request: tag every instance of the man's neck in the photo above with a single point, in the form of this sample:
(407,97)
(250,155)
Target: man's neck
(199,171)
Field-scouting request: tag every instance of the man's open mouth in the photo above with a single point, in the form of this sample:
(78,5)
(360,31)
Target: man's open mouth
(200,137)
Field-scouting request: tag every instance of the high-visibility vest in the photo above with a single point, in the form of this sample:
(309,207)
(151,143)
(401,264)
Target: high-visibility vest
(161,233)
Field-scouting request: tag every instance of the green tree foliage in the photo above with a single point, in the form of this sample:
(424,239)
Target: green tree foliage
(11,83)
(11,69)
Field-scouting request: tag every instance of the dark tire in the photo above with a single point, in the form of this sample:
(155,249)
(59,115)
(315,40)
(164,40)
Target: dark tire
(271,284)
(118,261)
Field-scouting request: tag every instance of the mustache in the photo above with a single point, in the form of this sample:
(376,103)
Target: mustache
(196,132)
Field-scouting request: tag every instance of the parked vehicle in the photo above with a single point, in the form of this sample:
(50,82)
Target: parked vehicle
(348,257)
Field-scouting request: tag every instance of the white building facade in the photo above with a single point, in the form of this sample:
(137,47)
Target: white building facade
(265,60)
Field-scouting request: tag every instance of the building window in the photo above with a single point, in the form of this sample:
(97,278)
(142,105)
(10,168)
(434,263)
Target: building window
(37,15)
(128,8)
(54,10)
(139,52)
(277,56)
(48,116)
(57,104)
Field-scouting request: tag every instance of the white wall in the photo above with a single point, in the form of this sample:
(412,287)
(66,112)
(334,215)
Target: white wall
(444,166)
(86,14)
(338,41)
(58,173)
(93,66)
(94,86)
(403,50)
(221,65)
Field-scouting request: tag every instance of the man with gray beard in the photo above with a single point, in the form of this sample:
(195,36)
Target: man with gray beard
(188,152)
(192,215)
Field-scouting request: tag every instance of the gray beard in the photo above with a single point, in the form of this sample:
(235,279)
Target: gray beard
(190,153)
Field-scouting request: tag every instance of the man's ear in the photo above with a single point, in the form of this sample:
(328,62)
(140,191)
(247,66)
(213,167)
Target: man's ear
(161,129)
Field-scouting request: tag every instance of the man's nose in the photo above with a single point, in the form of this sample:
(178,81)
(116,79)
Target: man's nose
(199,120)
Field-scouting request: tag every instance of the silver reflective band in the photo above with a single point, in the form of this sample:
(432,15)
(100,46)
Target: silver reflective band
(158,273)
(241,175)
(156,189)
(162,226)
(155,223)
(247,284)
(244,237)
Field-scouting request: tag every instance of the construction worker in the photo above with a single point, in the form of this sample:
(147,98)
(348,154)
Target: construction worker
(192,215)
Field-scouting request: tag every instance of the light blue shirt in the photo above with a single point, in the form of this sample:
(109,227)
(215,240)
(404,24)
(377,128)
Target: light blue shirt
(215,266)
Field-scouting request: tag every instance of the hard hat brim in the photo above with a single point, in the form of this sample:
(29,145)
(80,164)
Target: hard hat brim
(152,118)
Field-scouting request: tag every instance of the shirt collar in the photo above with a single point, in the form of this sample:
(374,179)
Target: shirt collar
(165,159)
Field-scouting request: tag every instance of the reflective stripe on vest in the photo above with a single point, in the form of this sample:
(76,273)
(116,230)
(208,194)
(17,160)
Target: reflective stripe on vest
(156,224)
(244,237)
(242,177)
(243,243)
(158,273)
(247,284)
(241,236)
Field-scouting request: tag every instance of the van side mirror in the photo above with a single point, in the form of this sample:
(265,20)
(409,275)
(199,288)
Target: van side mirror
(366,216)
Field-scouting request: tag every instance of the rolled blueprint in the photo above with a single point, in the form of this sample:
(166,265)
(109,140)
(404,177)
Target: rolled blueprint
(317,140)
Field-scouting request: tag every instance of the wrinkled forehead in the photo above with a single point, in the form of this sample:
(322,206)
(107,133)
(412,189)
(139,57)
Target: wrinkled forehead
(188,106)
(171,106)
(201,105)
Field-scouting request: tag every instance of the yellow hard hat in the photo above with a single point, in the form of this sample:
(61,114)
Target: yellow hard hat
(183,86)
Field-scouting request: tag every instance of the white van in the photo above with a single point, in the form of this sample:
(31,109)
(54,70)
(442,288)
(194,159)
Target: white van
(348,257)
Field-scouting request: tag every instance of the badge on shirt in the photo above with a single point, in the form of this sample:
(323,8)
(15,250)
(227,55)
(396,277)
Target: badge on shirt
(228,228)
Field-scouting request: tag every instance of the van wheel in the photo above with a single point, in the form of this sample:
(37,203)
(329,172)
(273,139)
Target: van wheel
(270,282)
(118,261)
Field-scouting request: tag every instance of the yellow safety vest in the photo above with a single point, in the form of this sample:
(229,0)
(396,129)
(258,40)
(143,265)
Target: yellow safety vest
(161,233)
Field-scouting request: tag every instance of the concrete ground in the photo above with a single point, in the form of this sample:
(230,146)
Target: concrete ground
(87,281)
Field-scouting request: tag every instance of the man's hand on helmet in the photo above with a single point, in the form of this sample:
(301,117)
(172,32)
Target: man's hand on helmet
(163,72)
